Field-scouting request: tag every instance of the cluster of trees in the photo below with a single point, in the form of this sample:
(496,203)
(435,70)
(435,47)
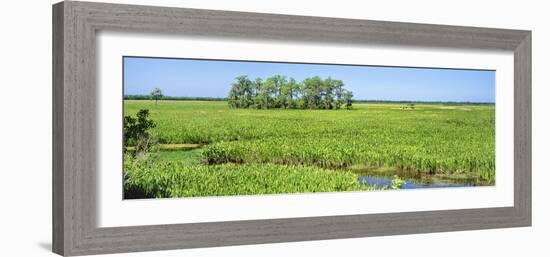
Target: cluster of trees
(282,92)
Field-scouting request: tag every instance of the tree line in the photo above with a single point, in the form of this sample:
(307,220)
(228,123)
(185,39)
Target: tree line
(174,98)
(286,93)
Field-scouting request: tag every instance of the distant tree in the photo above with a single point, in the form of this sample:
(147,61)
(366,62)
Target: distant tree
(327,93)
(290,91)
(246,98)
(156,94)
(240,95)
(312,89)
(279,91)
(233,97)
(338,87)
(268,92)
(347,97)
(256,89)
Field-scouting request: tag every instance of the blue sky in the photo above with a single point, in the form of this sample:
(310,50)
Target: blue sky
(209,78)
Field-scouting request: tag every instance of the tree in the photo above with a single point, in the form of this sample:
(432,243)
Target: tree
(327,93)
(136,132)
(311,90)
(233,97)
(156,94)
(240,95)
(347,97)
(256,89)
(290,91)
(246,91)
(268,92)
(338,87)
(278,87)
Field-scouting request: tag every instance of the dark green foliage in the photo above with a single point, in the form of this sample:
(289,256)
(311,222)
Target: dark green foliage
(136,131)
(285,93)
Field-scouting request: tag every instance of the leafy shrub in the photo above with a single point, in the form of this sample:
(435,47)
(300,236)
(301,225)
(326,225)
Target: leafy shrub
(136,132)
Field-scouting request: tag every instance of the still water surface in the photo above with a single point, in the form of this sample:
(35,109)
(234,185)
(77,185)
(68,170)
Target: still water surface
(382,177)
(409,183)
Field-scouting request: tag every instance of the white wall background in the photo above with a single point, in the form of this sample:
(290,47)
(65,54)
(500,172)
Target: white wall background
(25,127)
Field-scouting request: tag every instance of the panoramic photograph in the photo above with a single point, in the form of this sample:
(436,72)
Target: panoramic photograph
(197,127)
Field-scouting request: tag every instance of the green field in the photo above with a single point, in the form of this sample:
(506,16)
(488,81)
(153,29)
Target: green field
(207,148)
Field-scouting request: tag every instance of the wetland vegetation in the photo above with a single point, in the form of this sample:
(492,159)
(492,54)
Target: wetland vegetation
(205,148)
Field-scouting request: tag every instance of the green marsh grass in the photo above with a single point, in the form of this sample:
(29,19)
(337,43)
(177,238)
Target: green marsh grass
(432,139)
(179,179)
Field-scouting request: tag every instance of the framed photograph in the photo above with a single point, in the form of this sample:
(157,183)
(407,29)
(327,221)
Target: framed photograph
(181,128)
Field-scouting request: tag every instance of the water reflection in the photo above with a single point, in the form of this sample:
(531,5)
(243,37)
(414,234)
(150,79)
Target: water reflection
(409,183)
(382,177)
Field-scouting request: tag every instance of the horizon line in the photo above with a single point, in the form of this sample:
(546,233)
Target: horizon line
(183,98)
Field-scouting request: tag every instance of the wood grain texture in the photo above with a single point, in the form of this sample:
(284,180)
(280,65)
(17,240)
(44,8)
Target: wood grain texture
(522,128)
(74,124)
(58,230)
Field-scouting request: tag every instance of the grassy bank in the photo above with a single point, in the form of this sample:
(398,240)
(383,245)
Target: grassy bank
(146,179)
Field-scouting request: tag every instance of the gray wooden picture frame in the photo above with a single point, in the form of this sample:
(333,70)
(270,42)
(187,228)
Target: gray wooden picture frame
(75,25)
